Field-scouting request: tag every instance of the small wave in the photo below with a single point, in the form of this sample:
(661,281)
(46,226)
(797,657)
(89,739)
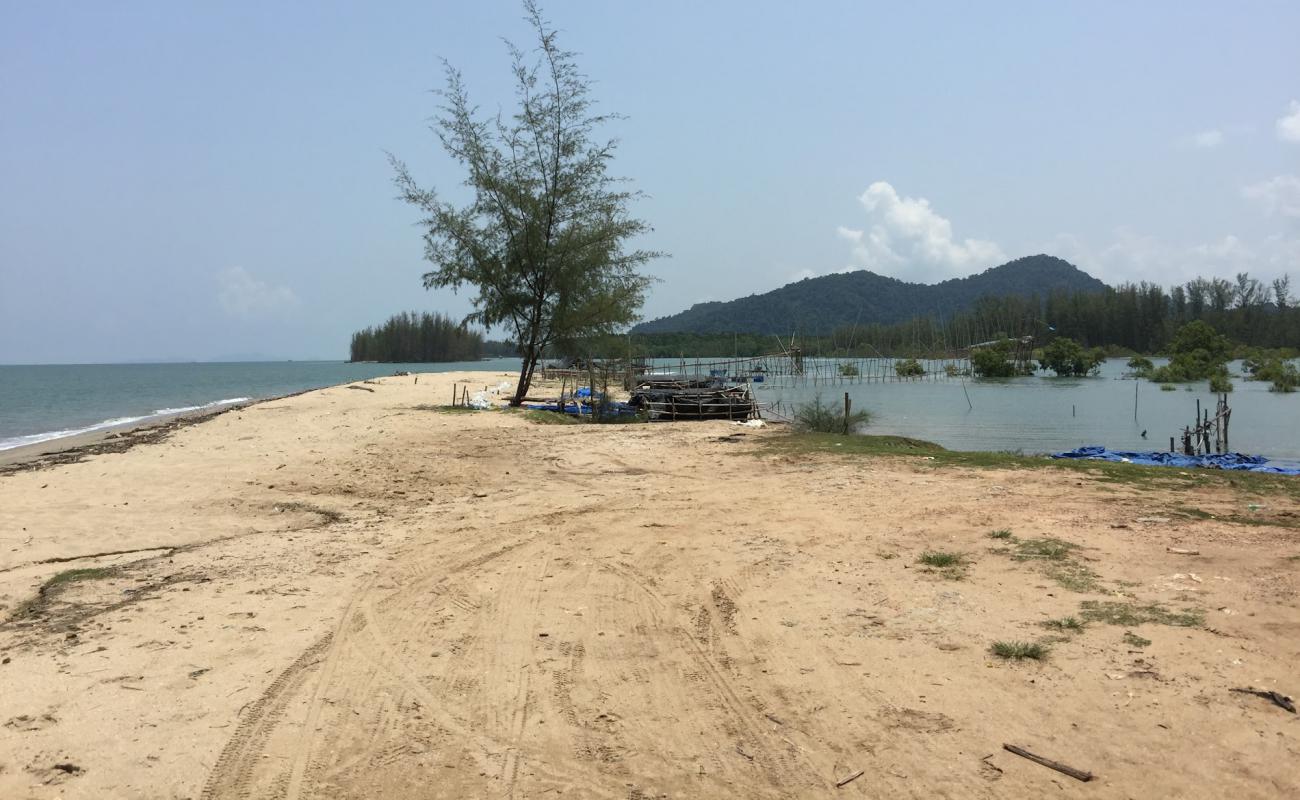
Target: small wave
(184,409)
(37,438)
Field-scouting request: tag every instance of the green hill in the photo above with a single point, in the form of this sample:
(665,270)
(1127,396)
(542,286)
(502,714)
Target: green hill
(819,305)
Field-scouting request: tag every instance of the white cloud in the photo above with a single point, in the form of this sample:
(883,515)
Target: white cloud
(242,295)
(1132,257)
(906,238)
(1288,127)
(1279,195)
(1205,140)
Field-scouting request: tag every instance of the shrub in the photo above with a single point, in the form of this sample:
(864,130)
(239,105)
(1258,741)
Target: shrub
(1220,383)
(1141,367)
(1064,356)
(818,417)
(1018,650)
(992,362)
(849,370)
(1197,352)
(938,559)
(910,368)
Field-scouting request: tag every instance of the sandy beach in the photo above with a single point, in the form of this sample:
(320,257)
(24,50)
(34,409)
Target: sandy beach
(355,593)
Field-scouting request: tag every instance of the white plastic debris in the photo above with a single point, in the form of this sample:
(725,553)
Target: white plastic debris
(752,423)
(480,401)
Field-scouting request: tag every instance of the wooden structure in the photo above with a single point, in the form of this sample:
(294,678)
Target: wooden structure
(1196,437)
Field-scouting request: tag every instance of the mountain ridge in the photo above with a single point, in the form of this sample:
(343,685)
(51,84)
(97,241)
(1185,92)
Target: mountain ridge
(819,305)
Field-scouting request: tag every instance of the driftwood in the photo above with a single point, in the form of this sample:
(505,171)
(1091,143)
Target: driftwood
(362,388)
(1077,774)
(1183,551)
(1276,698)
(849,779)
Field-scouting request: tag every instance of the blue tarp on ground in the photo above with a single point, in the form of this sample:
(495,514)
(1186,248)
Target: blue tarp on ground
(1231,461)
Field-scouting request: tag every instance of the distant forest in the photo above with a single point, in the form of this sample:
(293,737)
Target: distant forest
(1131,318)
(414,338)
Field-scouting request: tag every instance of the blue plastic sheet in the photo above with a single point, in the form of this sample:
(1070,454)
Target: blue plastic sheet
(1230,461)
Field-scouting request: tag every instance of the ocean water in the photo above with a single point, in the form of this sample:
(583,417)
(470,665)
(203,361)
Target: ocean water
(43,402)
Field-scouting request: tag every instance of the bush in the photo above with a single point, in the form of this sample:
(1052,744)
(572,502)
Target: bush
(994,362)
(818,417)
(1269,367)
(849,370)
(1141,367)
(1220,383)
(909,368)
(1197,352)
(1064,356)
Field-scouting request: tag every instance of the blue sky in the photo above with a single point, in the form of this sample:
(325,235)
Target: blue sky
(199,181)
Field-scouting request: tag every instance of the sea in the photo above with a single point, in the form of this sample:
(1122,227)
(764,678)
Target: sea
(1037,414)
(42,402)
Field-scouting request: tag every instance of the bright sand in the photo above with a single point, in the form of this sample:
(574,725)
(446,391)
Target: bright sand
(339,595)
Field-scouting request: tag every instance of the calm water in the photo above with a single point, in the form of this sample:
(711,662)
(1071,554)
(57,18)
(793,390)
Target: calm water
(1047,414)
(1035,414)
(43,402)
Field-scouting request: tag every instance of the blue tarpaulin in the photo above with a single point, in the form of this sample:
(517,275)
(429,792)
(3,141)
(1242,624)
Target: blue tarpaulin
(1231,461)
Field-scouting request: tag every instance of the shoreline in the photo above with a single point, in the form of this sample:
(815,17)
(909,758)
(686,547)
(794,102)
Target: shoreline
(532,609)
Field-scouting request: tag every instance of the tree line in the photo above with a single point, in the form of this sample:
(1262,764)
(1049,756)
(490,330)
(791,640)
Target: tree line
(1130,318)
(413,337)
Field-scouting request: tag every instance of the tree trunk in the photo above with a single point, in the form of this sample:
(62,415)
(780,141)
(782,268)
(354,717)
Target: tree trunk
(525,376)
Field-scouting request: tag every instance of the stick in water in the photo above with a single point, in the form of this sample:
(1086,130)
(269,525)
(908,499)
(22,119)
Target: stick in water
(1077,774)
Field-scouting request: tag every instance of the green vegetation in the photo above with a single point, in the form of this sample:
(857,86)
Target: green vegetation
(444,409)
(1025,297)
(1001,533)
(1131,638)
(1016,651)
(849,370)
(545,239)
(411,337)
(940,559)
(1140,366)
(74,575)
(1064,356)
(819,417)
(1197,352)
(1131,615)
(548,417)
(1272,366)
(1220,384)
(1071,624)
(1168,387)
(909,368)
(997,361)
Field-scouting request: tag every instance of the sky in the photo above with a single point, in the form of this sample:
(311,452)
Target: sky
(186,181)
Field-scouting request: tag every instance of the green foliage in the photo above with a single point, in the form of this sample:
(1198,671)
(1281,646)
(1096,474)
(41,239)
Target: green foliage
(1274,367)
(544,239)
(1064,356)
(1071,624)
(1168,387)
(1001,533)
(1140,366)
(1133,614)
(910,368)
(1015,651)
(411,337)
(934,558)
(1197,352)
(818,417)
(1131,638)
(1220,383)
(849,370)
(819,306)
(994,361)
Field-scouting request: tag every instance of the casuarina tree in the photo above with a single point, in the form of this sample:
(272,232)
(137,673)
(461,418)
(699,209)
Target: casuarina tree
(547,238)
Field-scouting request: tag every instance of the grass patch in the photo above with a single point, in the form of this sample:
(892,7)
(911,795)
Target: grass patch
(1072,624)
(1017,651)
(1001,533)
(1045,549)
(1136,476)
(1074,576)
(549,417)
(73,575)
(940,560)
(1133,639)
(1130,615)
(444,409)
